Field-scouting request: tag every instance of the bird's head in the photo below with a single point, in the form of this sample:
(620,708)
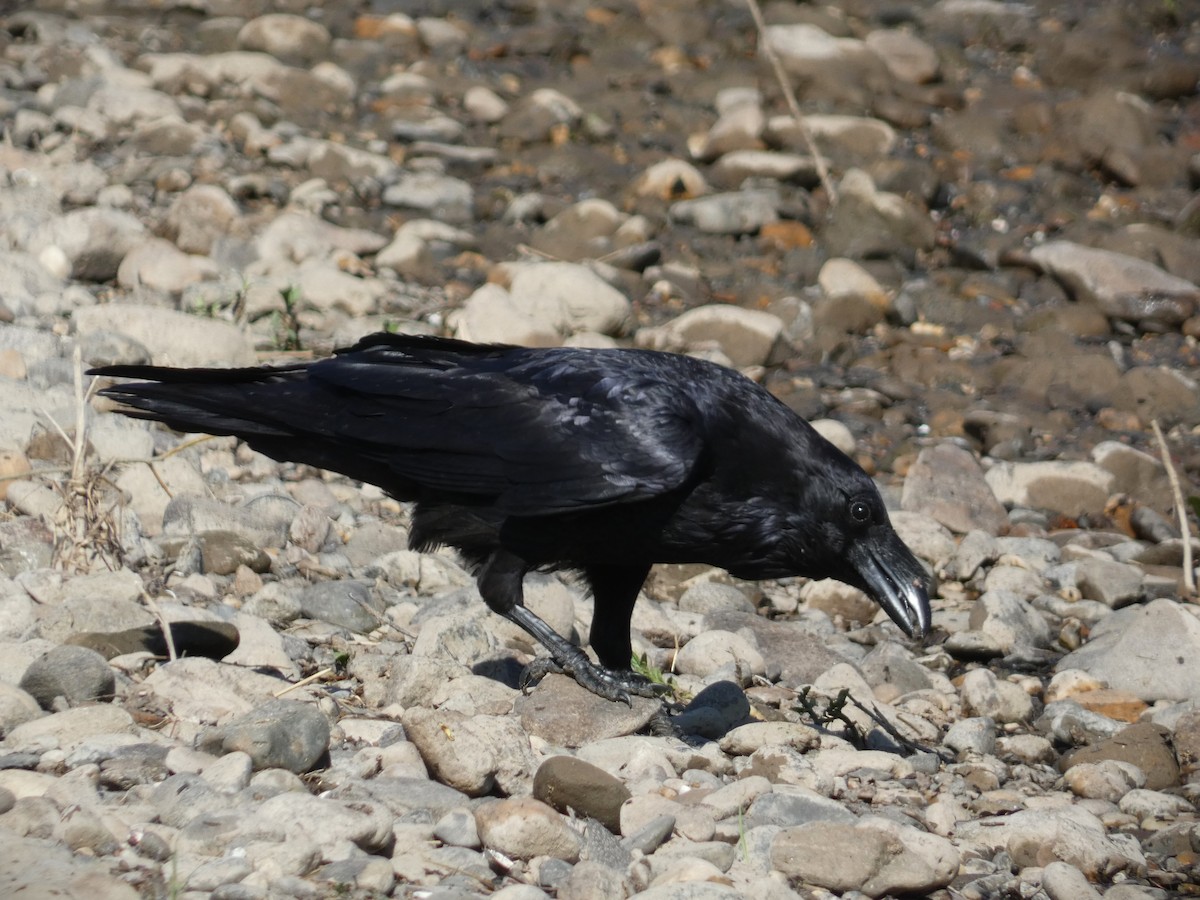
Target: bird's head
(842,531)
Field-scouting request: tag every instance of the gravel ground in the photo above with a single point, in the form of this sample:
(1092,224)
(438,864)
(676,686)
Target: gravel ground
(225,677)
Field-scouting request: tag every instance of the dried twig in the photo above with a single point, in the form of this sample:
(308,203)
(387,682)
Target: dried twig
(163,625)
(315,676)
(790,96)
(909,745)
(1189,574)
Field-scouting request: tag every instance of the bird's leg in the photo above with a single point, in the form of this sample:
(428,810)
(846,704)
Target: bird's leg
(614,593)
(500,583)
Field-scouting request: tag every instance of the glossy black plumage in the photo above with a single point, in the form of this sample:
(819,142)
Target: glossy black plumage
(602,461)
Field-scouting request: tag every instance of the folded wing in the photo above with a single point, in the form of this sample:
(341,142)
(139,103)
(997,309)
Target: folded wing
(526,432)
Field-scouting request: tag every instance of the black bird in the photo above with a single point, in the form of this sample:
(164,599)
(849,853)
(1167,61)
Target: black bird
(599,461)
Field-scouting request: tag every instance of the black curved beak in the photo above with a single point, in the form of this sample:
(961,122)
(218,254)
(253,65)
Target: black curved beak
(894,578)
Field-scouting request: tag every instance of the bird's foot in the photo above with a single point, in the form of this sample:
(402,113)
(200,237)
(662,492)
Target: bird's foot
(619,685)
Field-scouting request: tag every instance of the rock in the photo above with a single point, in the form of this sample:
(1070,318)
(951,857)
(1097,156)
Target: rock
(200,216)
(407,255)
(77,674)
(440,197)
(291,38)
(739,127)
(1135,473)
(1003,701)
(1108,779)
(890,858)
(1187,745)
(1010,622)
(1043,836)
(713,651)
(536,117)
(974,735)
(296,236)
(834,66)
(1122,287)
(70,727)
(714,710)
(1112,583)
(1144,746)
(583,230)
(740,212)
(852,137)
(746,336)
(1126,651)
(283,734)
(1073,488)
(947,483)
(263,522)
(522,828)
(349,604)
(59,872)
(837,434)
(564,714)
(222,552)
(476,754)
(568,298)
(1156,392)
(907,57)
(734,169)
(671,179)
(490,316)
(746,739)
(173,338)
(93,241)
(1064,882)
(484,105)
(868,222)
(567,784)
(159,265)
(16,707)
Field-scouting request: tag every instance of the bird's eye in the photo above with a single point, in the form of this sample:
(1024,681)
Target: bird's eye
(860,511)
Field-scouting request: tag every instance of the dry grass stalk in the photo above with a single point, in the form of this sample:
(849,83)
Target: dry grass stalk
(87,526)
(1189,573)
(790,96)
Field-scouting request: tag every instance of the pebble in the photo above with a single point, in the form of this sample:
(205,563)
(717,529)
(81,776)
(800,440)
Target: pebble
(566,784)
(77,675)
(282,734)
(947,483)
(522,828)
(746,336)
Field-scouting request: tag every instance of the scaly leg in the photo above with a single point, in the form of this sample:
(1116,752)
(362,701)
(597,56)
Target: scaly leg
(500,583)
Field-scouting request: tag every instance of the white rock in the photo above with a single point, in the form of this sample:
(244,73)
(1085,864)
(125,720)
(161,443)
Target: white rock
(671,179)
(840,278)
(1070,487)
(907,57)
(288,37)
(746,336)
(567,298)
(837,434)
(708,652)
(484,105)
(173,338)
(985,695)
(490,316)
(159,265)
(1108,780)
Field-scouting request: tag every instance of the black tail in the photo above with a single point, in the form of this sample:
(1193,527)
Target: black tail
(243,402)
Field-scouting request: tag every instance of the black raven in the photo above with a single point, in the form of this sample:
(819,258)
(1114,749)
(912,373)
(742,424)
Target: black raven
(598,461)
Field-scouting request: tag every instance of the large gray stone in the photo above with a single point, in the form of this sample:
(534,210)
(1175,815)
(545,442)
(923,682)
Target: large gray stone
(1150,651)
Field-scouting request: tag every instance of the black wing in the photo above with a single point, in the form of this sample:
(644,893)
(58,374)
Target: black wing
(530,432)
